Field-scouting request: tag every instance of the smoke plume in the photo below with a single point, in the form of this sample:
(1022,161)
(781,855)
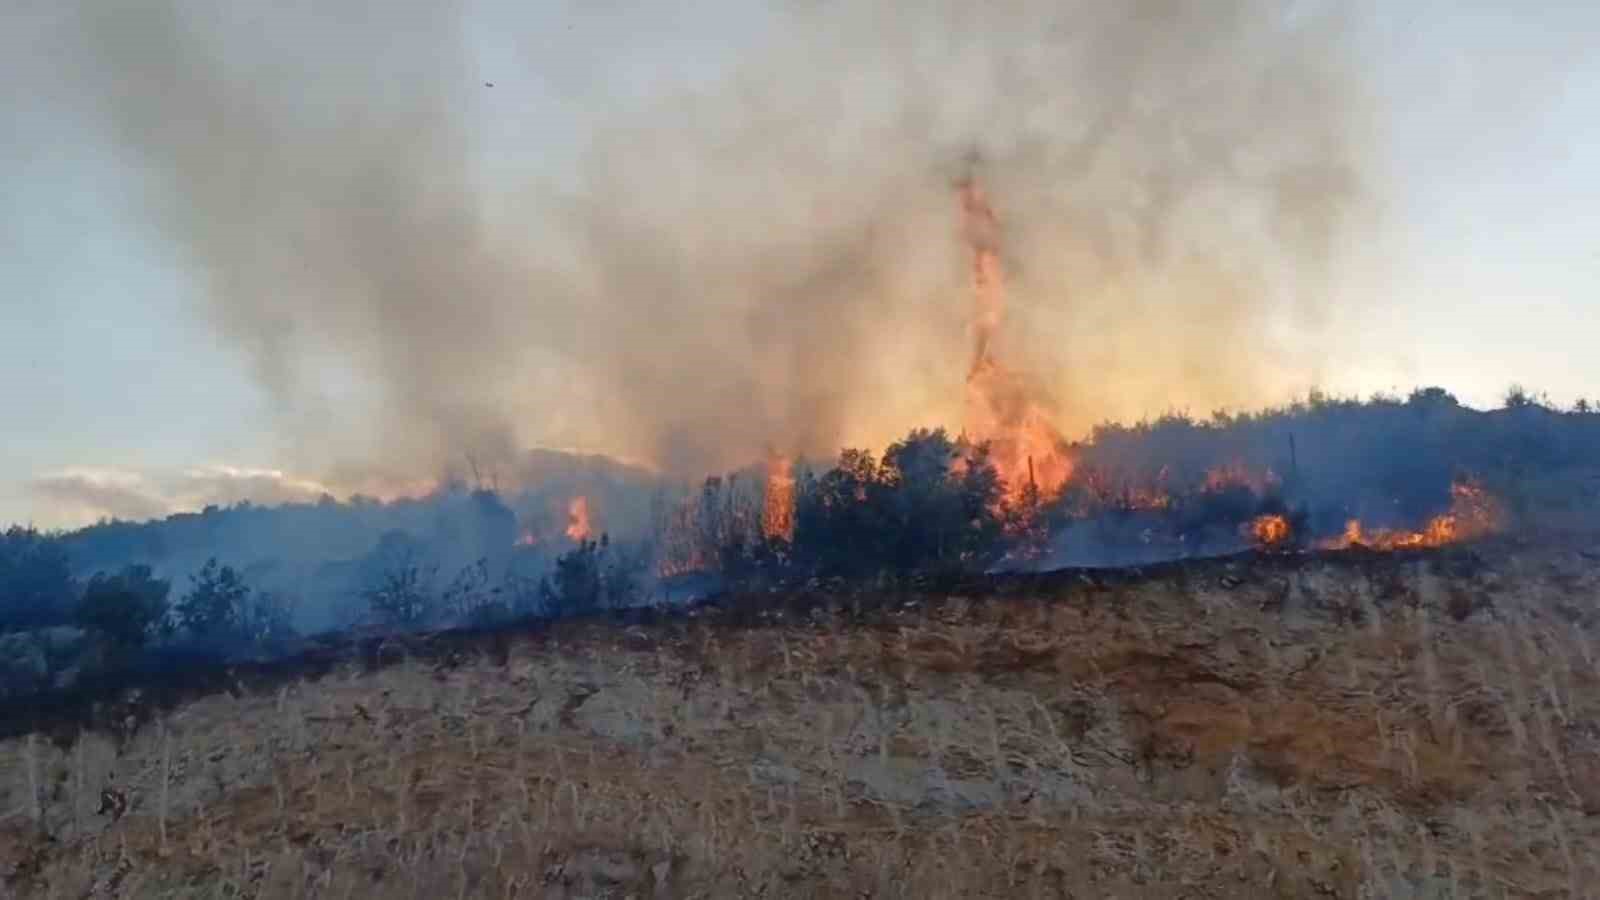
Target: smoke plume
(770,258)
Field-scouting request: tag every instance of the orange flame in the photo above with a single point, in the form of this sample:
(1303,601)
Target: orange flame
(1473,514)
(578,518)
(1269,530)
(777,511)
(1026,448)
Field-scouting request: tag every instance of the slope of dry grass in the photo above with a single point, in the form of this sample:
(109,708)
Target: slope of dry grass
(1340,727)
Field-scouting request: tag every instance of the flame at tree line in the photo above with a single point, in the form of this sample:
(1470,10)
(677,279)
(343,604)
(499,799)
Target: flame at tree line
(1473,513)
(1035,463)
(1027,449)
(777,512)
(578,519)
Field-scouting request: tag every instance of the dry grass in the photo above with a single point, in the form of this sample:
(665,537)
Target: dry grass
(1325,730)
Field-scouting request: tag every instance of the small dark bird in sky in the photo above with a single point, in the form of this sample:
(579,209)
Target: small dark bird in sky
(488,84)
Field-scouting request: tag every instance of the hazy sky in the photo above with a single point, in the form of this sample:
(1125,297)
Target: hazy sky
(129,385)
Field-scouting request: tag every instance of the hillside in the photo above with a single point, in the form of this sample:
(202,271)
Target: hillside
(1343,725)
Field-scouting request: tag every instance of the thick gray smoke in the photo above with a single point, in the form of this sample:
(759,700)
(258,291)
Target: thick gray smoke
(769,258)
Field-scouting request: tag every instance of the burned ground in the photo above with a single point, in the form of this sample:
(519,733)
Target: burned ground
(1348,724)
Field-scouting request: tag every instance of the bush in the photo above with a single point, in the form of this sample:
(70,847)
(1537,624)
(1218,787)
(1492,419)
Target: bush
(590,578)
(127,609)
(400,590)
(469,598)
(402,596)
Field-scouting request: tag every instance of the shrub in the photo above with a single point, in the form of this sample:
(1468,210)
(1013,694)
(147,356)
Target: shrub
(400,589)
(469,598)
(592,577)
(127,609)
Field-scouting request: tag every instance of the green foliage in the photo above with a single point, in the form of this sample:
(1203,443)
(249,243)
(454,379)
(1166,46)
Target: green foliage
(127,609)
(929,503)
(215,604)
(36,585)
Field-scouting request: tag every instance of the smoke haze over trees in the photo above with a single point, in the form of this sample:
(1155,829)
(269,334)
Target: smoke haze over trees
(928,502)
(768,258)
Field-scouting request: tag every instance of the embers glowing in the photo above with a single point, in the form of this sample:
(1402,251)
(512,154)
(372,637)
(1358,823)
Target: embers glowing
(777,509)
(1270,530)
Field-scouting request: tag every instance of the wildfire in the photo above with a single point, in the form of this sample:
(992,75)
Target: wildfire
(777,510)
(1269,530)
(578,518)
(1026,448)
(1473,514)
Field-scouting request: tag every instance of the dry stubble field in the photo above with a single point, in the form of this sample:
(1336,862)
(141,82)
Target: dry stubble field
(1345,726)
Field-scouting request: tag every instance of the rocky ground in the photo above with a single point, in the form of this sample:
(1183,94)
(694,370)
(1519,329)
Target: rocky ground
(1345,725)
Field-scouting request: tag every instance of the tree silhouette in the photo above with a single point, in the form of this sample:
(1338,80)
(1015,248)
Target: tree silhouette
(215,604)
(930,503)
(36,584)
(128,608)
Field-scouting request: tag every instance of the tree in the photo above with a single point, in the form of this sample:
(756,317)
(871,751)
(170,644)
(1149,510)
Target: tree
(127,609)
(941,500)
(838,524)
(1517,397)
(1432,399)
(36,585)
(931,503)
(215,604)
